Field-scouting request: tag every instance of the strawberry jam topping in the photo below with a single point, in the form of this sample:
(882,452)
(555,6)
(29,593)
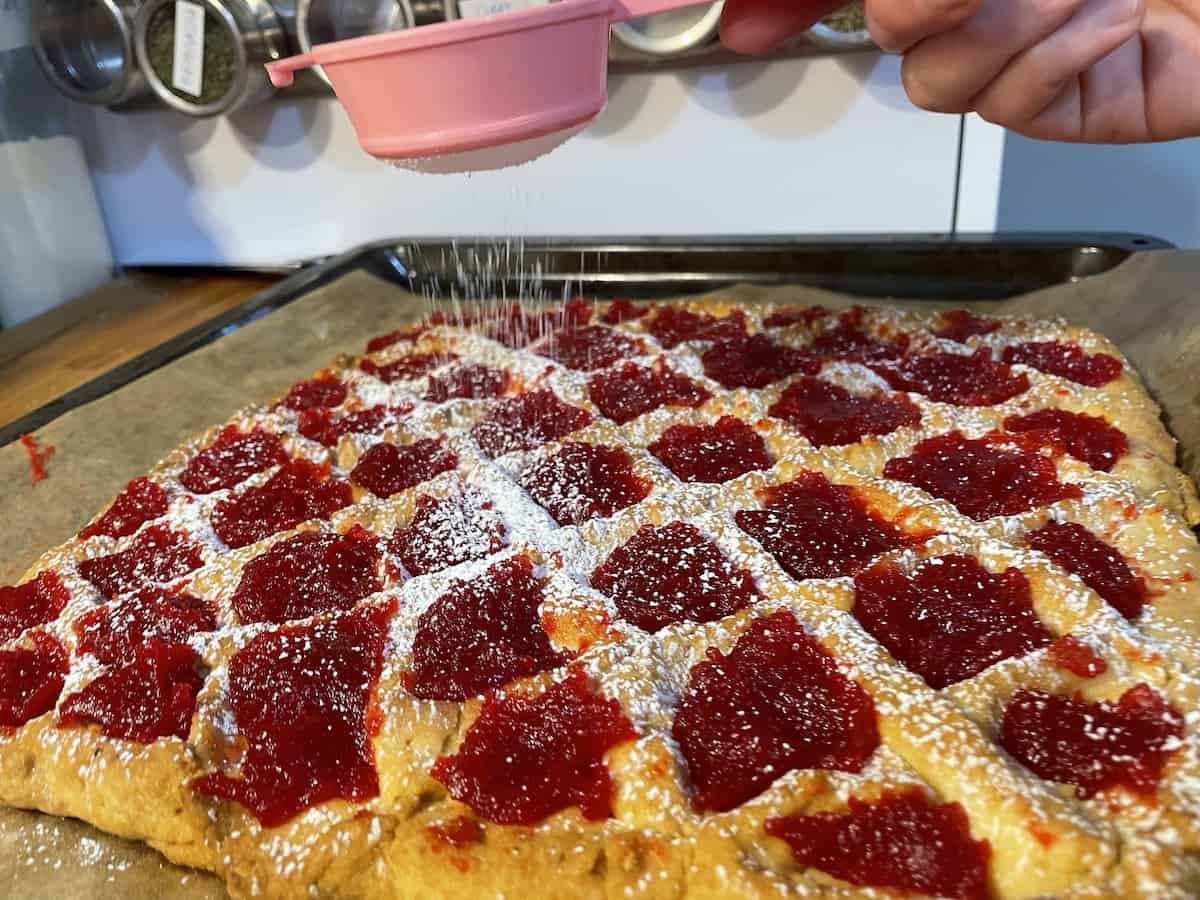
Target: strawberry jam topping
(960,324)
(817,529)
(232,458)
(408,334)
(584,481)
(38,457)
(1093,746)
(157,555)
(900,841)
(776,702)
(468,381)
(115,632)
(447,531)
(672,326)
(35,602)
(623,310)
(849,342)
(315,393)
(950,618)
(1072,655)
(299,695)
(298,492)
(151,697)
(1067,361)
(149,688)
(1090,439)
(140,501)
(482,634)
(326,427)
(755,362)
(388,469)
(1100,566)
(31,679)
(588,347)
(308,574)
(414,365)
(630,390)
(527,421)
(712,453)
(829,415)
(529,756)
(795,315)
(663,576)
(975,380)
(981,478)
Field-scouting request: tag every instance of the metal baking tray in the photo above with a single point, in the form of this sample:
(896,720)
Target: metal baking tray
(911,267)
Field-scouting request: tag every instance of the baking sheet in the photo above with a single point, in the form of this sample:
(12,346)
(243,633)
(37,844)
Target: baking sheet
(1148,306)
(928,267)
(100,446)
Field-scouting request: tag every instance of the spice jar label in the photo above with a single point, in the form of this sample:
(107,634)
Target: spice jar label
(187,69)
(475,9)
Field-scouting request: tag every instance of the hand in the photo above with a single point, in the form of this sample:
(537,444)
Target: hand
(1097,71)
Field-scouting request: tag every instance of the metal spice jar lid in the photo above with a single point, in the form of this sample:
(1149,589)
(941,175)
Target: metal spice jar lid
(323,21)
(86,50)
(223,47)
(672,32)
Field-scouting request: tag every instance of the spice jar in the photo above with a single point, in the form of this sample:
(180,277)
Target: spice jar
(430,12)
(323,21)
(86,49)
(222,47)
(670,33)
(845,29)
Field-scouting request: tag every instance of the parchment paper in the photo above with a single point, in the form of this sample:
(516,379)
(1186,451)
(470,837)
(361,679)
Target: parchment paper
(1150,307)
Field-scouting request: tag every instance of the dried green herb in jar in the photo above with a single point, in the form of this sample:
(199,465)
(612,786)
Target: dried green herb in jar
(849,19)
(220,55)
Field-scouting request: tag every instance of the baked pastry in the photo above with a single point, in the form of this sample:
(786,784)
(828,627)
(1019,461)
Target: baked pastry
(688,600)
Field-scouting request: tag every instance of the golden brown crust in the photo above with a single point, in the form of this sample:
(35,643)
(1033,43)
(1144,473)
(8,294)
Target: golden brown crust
(1044,841)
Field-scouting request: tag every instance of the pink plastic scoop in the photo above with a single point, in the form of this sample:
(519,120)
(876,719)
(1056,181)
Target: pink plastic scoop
(476,94)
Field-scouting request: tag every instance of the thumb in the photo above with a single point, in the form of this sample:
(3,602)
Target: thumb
(756,26)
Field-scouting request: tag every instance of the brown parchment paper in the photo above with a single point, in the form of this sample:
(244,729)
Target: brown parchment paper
(1150,306)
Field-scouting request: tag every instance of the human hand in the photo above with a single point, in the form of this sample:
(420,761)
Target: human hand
(1096,71)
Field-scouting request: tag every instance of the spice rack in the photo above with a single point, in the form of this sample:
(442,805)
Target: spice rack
(137,69)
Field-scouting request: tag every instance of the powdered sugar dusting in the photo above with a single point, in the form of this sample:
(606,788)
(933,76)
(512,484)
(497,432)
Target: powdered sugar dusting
(942,740)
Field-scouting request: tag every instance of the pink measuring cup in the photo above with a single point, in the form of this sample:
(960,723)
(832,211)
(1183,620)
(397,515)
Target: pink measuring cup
(476,94)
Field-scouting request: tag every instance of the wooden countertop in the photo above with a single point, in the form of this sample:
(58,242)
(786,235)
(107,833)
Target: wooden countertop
(58,351)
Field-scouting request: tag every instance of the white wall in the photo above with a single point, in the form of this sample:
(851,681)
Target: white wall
(980,160)
(796,146)
(1153,189)
(52,240)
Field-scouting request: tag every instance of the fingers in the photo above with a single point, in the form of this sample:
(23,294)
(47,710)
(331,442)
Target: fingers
(945,73)
(1065,69)
(897,25)
(1106,105)
(756,26)
(1171,48)
(1036,79)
